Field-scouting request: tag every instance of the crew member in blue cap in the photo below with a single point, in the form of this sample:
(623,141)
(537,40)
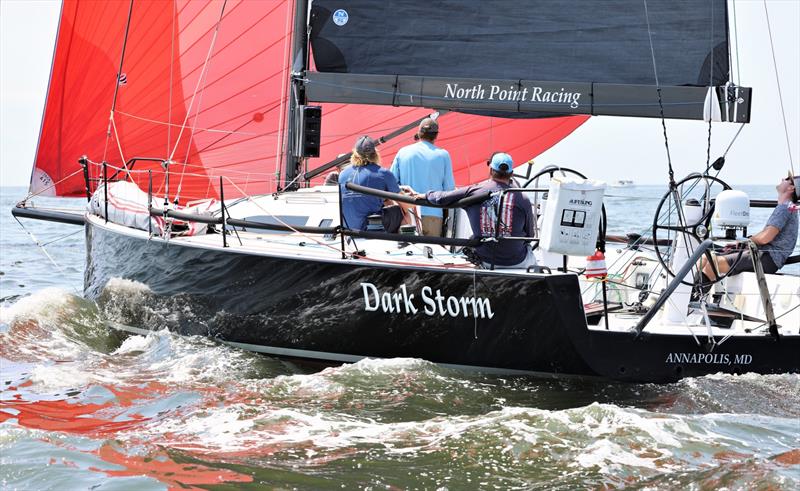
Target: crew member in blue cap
(515,216)
(365,170)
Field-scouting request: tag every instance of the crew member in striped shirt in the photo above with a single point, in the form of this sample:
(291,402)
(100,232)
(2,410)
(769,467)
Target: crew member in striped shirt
(515,216)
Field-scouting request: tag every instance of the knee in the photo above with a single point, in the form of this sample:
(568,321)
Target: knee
(722,265)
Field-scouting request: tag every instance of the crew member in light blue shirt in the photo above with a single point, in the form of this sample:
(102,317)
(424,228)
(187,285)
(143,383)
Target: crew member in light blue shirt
(425,167)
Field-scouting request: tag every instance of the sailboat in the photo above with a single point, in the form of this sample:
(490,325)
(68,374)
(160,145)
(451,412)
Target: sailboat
(200,133)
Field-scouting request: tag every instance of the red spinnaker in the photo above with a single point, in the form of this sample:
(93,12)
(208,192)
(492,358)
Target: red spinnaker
(203,83)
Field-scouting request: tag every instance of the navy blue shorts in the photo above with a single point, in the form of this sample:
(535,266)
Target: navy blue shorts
(745,262)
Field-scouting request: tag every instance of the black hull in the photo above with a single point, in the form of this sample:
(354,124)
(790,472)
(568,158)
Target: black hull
(320,310)
(317,309)
(667,358)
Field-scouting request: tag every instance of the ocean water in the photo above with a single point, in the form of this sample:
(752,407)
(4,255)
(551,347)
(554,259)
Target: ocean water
(83,407)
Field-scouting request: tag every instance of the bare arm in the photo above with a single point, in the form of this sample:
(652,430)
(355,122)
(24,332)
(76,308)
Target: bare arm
(765,236)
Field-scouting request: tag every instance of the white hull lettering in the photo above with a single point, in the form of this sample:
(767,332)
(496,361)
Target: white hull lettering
(709,359)
(409,305)
(434,303)
(386,302)
(370,290)
(483,308)
(430,305)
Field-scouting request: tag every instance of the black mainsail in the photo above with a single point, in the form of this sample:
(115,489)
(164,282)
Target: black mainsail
(604,57)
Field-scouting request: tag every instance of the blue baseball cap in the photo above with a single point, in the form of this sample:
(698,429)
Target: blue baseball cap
(502,162)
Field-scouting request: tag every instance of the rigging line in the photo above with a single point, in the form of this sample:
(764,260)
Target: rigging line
(52,186)
(237,132)
(658,89)
(475,296)
(778,83)
(708,146)
(63,237)
(171,70)
(711,45)
(199,80)
(119,75)
(204,76)
(735,44)
(335,249)
(44,251)
(282,117)
(765,325)
(119,147)
(233,171)
(207,130)
(741,127)
(279,220)
(711,81)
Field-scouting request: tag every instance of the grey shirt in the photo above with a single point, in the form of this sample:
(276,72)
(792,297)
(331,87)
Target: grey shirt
(783,244)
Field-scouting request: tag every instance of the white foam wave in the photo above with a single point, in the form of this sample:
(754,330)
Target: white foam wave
(51,324)
(609,457)
(133,345)
(370,385)
(379,366)
(125,286)
(222,429)
(60,376)
(604,438)
(46,305)
(178,359)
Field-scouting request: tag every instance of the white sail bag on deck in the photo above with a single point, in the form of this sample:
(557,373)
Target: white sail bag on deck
(127,205)
(572,217)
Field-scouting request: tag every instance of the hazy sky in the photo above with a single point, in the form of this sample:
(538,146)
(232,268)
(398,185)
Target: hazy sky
(604,148)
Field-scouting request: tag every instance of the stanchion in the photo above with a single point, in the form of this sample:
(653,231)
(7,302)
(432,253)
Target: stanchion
(222,208)
(105,188)
(341,219)
(165,165)
(149,203)
(84,162)
(605,301)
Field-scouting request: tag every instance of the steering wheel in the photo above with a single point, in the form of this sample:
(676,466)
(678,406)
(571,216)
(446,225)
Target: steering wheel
(672,227)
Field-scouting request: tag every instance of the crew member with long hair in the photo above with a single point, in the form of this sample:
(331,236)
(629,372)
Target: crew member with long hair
(365,170)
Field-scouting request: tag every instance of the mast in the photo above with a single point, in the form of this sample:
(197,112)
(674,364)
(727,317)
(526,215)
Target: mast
(296,93)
